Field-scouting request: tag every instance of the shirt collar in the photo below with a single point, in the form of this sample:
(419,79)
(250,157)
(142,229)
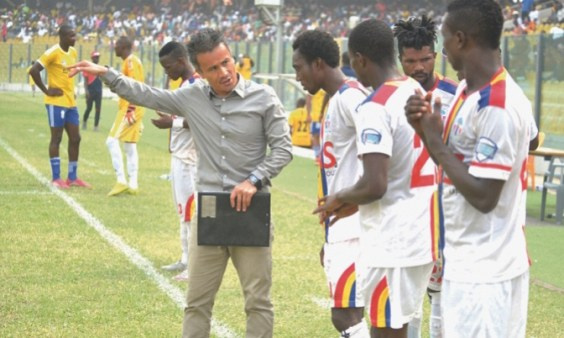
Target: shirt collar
(239,88)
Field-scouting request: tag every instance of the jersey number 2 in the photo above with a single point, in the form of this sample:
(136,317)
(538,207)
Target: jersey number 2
(417,178)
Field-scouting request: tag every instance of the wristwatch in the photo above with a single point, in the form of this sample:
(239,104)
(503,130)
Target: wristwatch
(255,181)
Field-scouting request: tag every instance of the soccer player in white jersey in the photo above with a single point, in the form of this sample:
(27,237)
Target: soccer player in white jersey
(174,59)
(482,151)
(416,39)
(316,62)
(398,229)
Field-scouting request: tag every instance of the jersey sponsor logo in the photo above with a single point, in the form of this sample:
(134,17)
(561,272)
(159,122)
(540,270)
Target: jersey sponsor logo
(371,136)
(457,126)
(485,149)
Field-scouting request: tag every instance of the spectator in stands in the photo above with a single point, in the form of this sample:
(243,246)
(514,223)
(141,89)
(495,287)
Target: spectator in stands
(526,8)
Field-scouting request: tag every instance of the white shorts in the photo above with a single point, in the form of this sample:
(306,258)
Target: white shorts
(339,263)
(394,295)
(182,180)
(485,310)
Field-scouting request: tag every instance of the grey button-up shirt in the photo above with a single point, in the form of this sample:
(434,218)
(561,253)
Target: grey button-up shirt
(231,133)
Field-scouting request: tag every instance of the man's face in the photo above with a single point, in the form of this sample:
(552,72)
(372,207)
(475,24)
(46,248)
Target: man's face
(305,73)
(68,38)
(449,45)
(218,68)
(95,59)
(173,67)
(118,49)
(419,64)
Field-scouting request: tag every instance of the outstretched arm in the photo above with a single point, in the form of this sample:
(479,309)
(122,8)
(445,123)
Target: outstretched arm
(136,92)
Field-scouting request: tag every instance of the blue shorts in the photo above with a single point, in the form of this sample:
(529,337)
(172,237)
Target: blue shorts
(315,128)
(59,116)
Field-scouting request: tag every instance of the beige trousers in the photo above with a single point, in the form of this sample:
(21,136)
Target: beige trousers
(205,270)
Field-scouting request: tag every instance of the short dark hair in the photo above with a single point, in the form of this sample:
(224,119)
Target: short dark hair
(125,41)
(315,44)
(174,49)
(204,41)
(64,29)
(415,33)
(374,39)
(481,19)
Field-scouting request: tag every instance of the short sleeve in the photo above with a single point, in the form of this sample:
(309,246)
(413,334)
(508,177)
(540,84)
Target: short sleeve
(495,150)
(373,129)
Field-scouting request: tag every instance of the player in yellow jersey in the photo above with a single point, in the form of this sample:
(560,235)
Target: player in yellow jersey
(299,128)
(245,66)
(316,105)
(127,126)
(61,104)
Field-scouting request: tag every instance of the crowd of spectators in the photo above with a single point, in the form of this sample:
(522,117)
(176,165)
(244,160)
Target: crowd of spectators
(160,21)
(240,20)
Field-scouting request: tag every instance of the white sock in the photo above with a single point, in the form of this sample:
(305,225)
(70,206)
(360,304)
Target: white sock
(359,330)
(117,160)
(184,240)
(414,325)
(132,163)
(435,317)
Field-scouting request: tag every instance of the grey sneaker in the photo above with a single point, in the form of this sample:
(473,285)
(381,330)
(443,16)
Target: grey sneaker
(178,266)
(83,125)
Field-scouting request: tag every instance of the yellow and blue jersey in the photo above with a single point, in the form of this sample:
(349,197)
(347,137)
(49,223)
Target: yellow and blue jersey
(55,61)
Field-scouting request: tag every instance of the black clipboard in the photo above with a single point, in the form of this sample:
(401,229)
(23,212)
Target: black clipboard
(221,225)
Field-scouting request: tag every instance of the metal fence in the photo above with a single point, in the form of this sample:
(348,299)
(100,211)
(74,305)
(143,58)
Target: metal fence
(535,61)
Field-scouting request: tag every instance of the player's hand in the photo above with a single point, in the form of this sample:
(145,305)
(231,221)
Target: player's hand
(54,92)
(88,67)
(327,207)
(163,122)
(242,195)
(130,115)
(417,105)
(432,124)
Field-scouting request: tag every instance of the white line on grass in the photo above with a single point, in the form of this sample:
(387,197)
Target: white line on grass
(27,192)
(133,255)
(303,152)
(324,303)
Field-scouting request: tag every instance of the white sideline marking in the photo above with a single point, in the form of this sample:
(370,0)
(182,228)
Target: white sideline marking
(134,257)
(27,192)
(324,303)
(95,166)
(303,152)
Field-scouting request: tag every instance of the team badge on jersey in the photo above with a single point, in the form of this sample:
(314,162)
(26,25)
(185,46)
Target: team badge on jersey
(371,136)
(485,149)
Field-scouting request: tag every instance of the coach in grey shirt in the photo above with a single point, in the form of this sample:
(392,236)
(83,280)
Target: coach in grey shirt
(232,120)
